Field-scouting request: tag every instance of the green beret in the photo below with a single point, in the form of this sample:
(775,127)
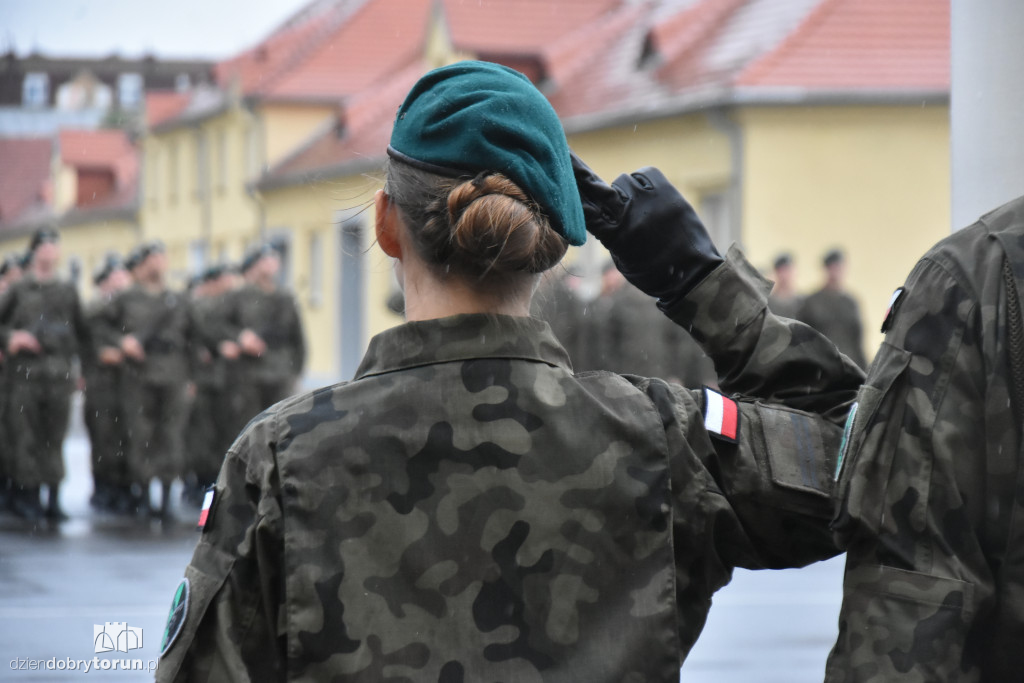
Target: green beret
(470,117)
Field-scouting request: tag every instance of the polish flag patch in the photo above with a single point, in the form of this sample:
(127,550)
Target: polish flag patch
(721,416)
(205,513)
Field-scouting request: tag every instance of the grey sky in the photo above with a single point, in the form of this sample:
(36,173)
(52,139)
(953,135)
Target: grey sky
(170,28)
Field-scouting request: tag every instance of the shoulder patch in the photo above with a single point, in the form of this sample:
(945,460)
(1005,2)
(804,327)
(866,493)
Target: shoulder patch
(845,443)
(176,617)
(721,416)
(890,311)
(206,514)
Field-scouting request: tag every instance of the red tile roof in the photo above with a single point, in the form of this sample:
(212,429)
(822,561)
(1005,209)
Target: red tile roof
(375,41)
(362,130)
(488,27)
(24,176)
(602,61)
(164,105)
(106,149)
(287,46)
(862,44)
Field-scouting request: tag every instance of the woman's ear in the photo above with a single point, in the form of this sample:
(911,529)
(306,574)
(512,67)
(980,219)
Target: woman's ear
(386,225)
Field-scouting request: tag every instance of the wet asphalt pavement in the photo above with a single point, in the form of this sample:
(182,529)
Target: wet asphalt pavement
(58,584)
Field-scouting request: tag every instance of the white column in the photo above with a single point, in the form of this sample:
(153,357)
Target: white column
(987,106)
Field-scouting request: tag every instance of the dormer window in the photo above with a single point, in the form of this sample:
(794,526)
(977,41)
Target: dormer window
(35,91)
(129,91)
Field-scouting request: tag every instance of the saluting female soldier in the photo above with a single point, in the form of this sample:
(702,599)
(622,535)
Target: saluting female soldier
(466,508)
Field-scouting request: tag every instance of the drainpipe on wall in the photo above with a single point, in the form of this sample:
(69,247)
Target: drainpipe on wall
(722,119)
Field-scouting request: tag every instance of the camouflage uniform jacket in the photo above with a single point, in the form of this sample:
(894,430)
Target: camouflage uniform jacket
(210,328)
(274,316)
(53,313)
(837,316)
(931,478)
(466,509)
(163,325)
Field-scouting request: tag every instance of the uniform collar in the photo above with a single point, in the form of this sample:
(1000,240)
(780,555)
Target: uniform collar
(459,338)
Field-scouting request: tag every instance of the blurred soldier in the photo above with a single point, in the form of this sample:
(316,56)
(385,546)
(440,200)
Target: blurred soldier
(931,480)
(784,300)
(42,328)
(835,313)
(103,370)
(556,303)
(151,326)
(212,426)
(10,272)
(662,349)
(265,321)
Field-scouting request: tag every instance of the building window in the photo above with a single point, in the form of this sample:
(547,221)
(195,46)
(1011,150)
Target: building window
(202,166)
(182,82)
(152,179)
(252,152)
(222,160)
(717,218)
(35,90)
(172,172)
(129,91)
(197,257)
(316,269)
(281,240)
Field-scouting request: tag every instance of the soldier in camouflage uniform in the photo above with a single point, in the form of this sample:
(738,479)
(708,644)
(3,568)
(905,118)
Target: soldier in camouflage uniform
(10,272)
(784,300)
(151,326)
(42,328)
(833,312)
(265,321)
(931,485)
(212,426)
(663,349)
(466,509)
(103,371)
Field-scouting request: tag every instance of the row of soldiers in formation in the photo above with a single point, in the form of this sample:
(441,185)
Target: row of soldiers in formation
(622,331)
(169,377)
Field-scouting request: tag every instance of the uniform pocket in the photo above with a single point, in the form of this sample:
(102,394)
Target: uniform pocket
(898,624)
(801,449)
(870,441)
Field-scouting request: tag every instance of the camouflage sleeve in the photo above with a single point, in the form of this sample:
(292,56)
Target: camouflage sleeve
(770,486)
(231,629)
(915,573)
(760,355)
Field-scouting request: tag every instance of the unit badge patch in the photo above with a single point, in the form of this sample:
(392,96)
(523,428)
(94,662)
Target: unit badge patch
(176,617)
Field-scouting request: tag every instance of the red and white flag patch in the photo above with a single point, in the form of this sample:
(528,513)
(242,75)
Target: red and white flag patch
(206,512)
(721,416)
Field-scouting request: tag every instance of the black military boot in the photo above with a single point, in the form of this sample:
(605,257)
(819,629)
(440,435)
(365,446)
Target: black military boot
(53,511)
(26,503)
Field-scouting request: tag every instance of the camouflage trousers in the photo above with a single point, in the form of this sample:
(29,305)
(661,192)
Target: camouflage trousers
(108,432)
(156,416)
(38,410)
(212,426)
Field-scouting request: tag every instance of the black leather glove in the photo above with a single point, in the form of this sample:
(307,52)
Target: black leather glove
(655,237)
